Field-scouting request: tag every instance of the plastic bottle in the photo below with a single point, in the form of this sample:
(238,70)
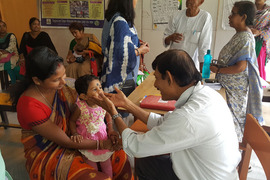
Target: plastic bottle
(206,65)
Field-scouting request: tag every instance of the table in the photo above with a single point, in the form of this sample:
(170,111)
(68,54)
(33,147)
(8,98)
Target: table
(147,88)
(266,95)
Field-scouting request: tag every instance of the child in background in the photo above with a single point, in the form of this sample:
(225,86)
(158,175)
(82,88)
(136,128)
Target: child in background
(79,48)
(87,122)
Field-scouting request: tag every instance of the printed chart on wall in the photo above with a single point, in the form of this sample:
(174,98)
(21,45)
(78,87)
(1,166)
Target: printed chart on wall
(63,12)
(228,5)
(162,11)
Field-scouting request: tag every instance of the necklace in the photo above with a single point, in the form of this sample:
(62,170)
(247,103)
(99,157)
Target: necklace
(44,97)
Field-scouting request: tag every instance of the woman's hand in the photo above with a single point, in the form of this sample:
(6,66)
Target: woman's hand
(256,32)
(214,69)
(71,59)
(144,48)
(106,144)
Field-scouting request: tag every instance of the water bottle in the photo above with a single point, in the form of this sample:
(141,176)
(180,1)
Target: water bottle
(206,65)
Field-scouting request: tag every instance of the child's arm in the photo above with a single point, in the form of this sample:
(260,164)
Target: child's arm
(113,135)
(74,117)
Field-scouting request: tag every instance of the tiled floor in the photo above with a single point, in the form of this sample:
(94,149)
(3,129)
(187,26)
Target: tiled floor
(12,150)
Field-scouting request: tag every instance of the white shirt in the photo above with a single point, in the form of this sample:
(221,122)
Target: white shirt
(199,135)
(197,32)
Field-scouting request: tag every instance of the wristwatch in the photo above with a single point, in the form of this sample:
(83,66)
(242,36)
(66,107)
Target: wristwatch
(116,116)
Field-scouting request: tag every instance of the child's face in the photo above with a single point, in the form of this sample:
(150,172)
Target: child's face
(94,88)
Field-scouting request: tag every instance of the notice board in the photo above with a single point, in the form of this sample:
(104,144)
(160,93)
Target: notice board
(59,13)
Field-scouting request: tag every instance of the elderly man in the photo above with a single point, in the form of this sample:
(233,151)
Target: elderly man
(195,141)
(190,30)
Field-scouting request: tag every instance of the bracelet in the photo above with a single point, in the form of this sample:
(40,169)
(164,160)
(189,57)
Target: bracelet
(75,134)
(137,51)
(97,144)
(101,144)
(116,116)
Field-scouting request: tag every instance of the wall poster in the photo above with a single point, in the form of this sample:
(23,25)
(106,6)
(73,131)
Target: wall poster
(63,12)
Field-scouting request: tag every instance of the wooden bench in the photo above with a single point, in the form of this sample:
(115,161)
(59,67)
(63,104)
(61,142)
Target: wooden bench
(5,103)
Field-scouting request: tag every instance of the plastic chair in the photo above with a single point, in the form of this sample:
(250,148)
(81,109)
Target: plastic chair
(256,138)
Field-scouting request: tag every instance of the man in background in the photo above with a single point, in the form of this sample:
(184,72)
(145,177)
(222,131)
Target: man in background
(190,30)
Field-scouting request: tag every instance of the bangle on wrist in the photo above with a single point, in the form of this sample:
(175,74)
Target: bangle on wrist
(137,51)
(97,144)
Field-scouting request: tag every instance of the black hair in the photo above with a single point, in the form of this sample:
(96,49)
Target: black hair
(124,7)
(3,23)
(179,64)
(41,62)
(76,26)
(33,19)
(82,83)
(246,8)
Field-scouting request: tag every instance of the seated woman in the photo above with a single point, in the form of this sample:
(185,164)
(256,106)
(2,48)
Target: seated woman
(9,53)
(238,68)
(44,105)
(34,38)
(77,68)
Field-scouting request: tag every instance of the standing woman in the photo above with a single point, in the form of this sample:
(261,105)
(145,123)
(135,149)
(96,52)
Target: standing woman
(9,53)
(261,31)
(238,70)
(34,38)
(121,47)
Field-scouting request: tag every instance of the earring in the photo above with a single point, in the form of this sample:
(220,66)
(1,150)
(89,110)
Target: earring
(38,83)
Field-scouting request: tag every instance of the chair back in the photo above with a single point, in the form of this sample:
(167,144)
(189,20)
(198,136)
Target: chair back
(256,138)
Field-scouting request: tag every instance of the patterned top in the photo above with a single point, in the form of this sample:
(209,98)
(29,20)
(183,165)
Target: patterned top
(119,41)
(262,22)
(91,126)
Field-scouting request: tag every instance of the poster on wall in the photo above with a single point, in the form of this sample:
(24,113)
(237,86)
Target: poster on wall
(162,10)
(63,12)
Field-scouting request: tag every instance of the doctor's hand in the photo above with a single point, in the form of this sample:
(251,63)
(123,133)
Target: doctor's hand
(119,99)
(104,102)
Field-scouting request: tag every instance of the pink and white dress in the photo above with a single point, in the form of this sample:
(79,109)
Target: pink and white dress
(91,125)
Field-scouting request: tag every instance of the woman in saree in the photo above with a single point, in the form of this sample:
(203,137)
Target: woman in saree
(9,53)
(261,31)
(77,68)
(44,104)
(237,69)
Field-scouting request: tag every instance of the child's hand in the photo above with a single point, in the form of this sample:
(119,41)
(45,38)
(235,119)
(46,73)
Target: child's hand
(76,138)
(114,136)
